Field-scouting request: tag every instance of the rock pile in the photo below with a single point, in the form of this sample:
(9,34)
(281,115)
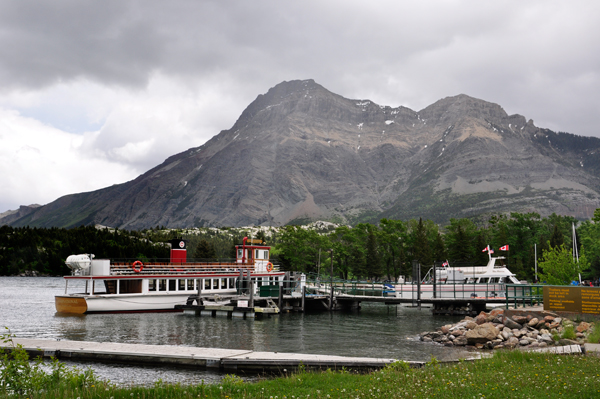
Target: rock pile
(508,329)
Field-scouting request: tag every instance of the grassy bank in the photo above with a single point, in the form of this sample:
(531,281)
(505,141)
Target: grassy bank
(512,374)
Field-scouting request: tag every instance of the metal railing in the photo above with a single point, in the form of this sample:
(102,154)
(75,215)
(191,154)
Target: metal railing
(524,294)
(409,290)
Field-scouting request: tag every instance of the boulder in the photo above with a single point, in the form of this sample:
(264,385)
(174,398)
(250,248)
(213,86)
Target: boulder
(460,341)
(511,342)
(446,329)
(480,319)
(508,322)
(520,319)
(497,312)
(533,322)
(583,326)
(541,324)
(523,342)
(470,325)
(482,334)
(546,338)
(549,319)
(519,333)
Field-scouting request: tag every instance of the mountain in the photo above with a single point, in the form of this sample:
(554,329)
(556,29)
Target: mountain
(300,153)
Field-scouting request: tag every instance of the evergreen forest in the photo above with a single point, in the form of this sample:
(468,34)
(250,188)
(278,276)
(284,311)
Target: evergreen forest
(382,251)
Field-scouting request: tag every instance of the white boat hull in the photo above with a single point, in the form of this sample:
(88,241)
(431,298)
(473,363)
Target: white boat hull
(121,303)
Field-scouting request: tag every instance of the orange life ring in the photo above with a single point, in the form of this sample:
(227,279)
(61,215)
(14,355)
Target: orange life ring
(137,269)
(269,267)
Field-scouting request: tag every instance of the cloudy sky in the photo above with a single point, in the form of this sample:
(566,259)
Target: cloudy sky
(96,93)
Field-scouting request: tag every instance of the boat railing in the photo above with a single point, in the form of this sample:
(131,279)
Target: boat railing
(170,268)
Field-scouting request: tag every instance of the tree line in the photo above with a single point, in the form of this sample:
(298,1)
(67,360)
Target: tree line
(387,250)
(45,250)
(382,251)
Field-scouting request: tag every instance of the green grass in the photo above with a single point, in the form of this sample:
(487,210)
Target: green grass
(513,374)
(569,332)
(594,337)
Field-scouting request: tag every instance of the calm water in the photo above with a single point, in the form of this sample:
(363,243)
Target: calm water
(27,308)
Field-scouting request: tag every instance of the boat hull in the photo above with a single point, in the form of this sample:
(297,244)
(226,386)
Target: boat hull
(70,304)
(85,304)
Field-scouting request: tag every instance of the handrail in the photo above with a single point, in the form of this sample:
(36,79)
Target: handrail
(524,294)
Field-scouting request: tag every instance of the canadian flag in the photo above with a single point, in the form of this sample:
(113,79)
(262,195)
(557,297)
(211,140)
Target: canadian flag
(485,249)
(504,248)
(445,264)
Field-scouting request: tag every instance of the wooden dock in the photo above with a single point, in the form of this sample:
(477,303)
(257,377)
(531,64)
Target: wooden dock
(226,360)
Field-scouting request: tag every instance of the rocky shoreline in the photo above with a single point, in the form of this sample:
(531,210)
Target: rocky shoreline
(510,329)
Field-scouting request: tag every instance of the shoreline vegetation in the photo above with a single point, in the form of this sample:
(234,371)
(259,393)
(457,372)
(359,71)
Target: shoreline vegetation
(384,250)
(514,373)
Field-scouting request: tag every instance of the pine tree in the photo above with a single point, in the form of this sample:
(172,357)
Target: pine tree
(557,239)
(421,250)
(204,250)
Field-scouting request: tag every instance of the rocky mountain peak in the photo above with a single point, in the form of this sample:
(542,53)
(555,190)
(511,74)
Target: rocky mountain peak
(300,152)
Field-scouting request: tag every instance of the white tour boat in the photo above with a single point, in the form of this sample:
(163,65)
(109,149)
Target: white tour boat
(461,282)
(157,287)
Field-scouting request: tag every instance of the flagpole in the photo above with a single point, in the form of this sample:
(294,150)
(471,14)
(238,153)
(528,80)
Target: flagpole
(535,251)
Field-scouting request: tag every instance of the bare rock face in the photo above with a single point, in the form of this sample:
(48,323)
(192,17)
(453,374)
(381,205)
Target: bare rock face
(300,153)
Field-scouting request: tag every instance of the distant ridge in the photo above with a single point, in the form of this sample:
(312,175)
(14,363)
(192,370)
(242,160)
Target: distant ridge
(301,153)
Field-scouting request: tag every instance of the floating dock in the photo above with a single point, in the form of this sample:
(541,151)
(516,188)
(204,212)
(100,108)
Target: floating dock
(226,360)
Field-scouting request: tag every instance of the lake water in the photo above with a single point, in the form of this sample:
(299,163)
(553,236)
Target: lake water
(377,330)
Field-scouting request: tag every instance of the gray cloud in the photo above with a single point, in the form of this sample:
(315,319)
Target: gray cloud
(212,58)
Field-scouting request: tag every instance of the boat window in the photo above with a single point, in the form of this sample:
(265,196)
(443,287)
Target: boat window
(131,286)
(231,283)
(152,285)
(162,284)
(483,280)
(207,284)
(190,285)
(223,283)
(259,281)
(471,280)
(215,283)
(172,285)
(494,280)
(111,286)
(181,286)
(257,254)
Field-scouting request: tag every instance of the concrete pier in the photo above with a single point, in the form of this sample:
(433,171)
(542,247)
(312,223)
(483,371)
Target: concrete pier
(227,360)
